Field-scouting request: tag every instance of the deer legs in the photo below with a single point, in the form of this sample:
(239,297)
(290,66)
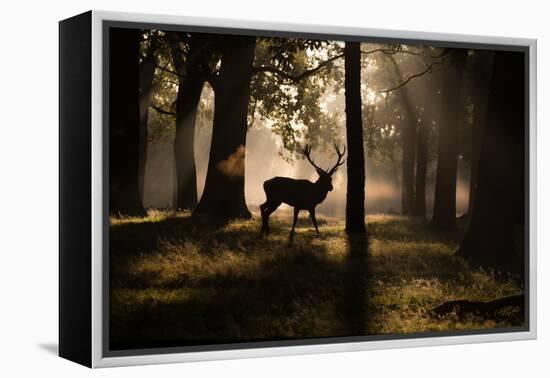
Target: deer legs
(313,219)
(265,224)
(296,212)
(266,210)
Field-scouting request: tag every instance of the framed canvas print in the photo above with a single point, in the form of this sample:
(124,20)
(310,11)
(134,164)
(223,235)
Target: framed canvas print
(237,189)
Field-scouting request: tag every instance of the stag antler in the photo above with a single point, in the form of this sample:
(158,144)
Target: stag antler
(307,151)
(340,161)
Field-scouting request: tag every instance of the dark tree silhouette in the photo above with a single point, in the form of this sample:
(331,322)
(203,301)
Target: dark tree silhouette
(423,134)
(481,77)
(444,216)
(408,125)
(498,214)
(146,75)
(414,135)
(124,121)
(191,79)
(355,197)
(223,195)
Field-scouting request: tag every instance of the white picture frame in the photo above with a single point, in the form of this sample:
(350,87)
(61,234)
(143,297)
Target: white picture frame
(101,358)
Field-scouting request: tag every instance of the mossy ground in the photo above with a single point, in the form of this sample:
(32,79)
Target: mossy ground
(176,280)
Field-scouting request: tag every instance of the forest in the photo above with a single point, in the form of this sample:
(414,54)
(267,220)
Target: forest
(279,188)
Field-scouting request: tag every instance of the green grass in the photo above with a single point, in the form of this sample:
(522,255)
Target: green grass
(175,280)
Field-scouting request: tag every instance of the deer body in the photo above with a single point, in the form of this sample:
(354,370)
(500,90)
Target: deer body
(300,194)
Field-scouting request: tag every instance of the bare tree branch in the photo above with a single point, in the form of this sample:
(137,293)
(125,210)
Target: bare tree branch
(443,54)
(389,52)
(169,82)
(162,111)
(253,113)
(402,84)
(303,75)
(210,77)
(166,69)
(307,73)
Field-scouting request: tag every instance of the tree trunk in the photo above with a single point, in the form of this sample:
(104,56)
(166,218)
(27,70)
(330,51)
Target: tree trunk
(422,152)
(124,122)
(223,195)
(146,76)
(482,72)
(355,197)
(497,230)
(444,216)
(190,83)
(408,128)
(407,125)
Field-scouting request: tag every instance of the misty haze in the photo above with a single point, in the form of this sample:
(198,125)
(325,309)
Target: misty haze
(263,161)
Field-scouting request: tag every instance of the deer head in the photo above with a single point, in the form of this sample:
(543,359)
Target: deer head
(325,177)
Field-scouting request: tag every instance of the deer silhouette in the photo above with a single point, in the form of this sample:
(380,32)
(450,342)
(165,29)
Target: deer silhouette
(300,194)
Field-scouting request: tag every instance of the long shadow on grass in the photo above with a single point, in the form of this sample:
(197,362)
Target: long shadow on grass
(138,240)
(132,238)
(296,292)
(355,299)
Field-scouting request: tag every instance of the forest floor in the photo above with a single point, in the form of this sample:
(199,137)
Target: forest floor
(177,281)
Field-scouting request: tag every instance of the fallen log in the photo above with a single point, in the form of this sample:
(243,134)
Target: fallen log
(463,307)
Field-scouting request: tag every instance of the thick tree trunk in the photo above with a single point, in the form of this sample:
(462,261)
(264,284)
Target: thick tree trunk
(482,73)
(124,122)
(355,197)
(444,216)
(497,229)
(146,76)
(223,195)
(190,84)
(422,153)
